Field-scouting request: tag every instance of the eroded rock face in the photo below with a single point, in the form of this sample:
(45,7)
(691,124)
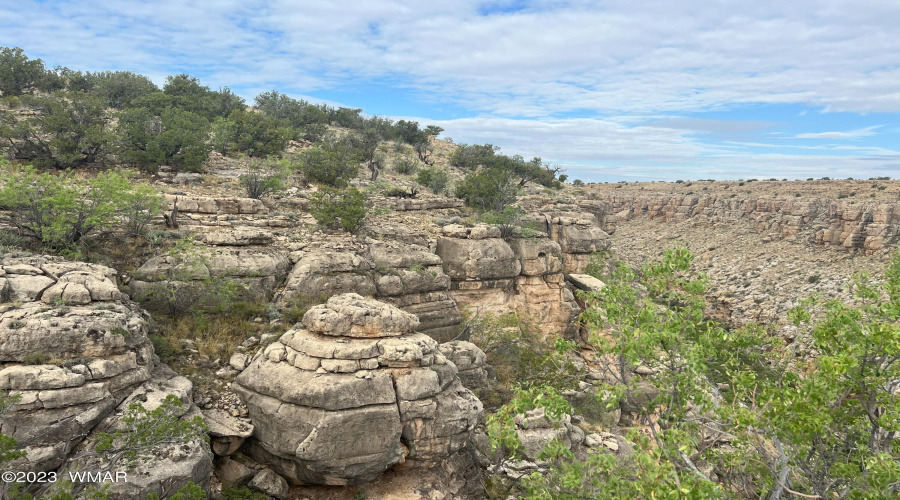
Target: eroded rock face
(521,275)
(172,466)
(352,391)
(171,280)
(470,360)
(72,315)
(405,275)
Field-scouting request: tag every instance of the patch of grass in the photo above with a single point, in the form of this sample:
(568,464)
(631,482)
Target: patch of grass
(36,358)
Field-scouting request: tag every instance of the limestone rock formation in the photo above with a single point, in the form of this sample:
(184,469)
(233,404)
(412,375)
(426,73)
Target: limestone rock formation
(522,275)
(191,276)
(71,346)
(402,274)
(173,465)
(470,360)
(352,391)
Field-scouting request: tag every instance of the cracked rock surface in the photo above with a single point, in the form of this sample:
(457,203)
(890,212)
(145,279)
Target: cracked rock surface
(351,391)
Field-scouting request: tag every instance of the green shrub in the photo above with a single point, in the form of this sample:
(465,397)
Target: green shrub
(434,178)
(337,208)
(68,129)
(162,347)
(177,138)
(262,180)
(332,164)
(242,493)
(36,358)
(59,210)
(18,74)
(406,165)
(258,135)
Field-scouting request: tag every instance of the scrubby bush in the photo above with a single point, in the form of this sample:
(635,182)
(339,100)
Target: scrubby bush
(258,135)
(177,138)
(488,190)
(338,208)
(119,88)
(520,354)
(58,211)
(332,164)
(434,178)
(68,129)
(262,180)
(406,165)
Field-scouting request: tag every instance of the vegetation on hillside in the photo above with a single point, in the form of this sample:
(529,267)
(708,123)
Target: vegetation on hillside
(733,412)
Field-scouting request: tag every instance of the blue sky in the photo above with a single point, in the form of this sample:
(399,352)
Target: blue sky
(612,90)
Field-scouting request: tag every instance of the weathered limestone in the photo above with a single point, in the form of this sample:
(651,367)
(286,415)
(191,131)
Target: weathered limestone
(72,315)
(849,225)
(471,362)
(522,275)
(172,465)
(404,275)
(191,276)
(351,392)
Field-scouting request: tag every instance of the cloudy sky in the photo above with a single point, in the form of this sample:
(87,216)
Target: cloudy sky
(612,90)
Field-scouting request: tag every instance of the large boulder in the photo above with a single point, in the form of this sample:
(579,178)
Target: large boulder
(477,259)
(72,348)
(352,391)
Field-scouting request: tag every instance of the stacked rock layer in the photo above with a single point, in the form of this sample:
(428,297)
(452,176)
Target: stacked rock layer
(352,391)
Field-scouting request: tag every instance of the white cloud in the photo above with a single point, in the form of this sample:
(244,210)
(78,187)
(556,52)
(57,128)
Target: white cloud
(544,60)
(863,132)
(636,67)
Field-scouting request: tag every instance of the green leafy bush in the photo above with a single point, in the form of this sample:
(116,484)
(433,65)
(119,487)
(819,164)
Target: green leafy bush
(176,138)
(262,180)
(59,210)
(406,165)
(257,135)
(67,129)
(434,178)
(337,208)
(333,163)
(488,190)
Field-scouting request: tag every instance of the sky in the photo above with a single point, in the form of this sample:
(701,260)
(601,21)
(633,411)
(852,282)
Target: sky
(610,90)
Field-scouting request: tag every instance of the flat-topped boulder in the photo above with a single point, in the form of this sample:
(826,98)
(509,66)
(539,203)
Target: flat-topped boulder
(351,391)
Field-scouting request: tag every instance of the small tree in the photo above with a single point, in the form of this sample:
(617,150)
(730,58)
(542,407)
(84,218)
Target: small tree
(68,129)
(58,211)
(177,138)
(119,88)
(488,190)
(258,135)
(434,178)
(18,74)
(336,208)
(333,163)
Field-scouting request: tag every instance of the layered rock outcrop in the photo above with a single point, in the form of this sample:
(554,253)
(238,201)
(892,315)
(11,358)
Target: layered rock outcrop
(352,391)
(71,347)
(75,354)
(521,275)
(200,274)
(403,274)
(845,224)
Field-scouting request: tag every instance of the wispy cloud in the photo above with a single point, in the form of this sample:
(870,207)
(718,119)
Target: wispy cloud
(853,134)
(575,80)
